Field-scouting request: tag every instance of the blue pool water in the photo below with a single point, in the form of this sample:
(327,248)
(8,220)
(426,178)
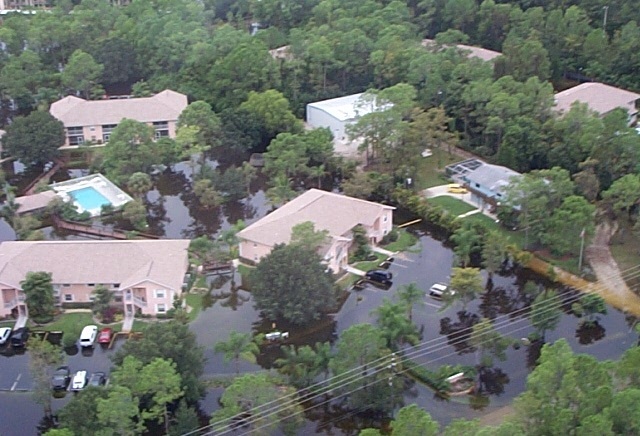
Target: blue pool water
(88,198)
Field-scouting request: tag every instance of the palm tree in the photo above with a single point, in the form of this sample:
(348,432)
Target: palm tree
(395,326)
(411,295)
(239,345)
(467,240)
(298,364)
(280,191)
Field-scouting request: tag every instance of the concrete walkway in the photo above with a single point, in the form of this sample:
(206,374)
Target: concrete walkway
(471,212)
(355,271)
(21,321)
(127,325)
(382,251)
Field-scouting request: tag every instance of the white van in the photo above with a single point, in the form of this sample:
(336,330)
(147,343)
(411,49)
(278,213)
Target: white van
(88,336)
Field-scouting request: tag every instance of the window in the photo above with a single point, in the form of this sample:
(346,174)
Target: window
(92,297)
(68,297)
(75,135)
(159,293)
(477,185)
(385,219)
(66,285)
(91,285)
(161,129)
(116,285)
(161,308)
(106,131)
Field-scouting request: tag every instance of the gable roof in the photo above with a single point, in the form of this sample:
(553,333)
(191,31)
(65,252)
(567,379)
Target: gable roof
(598,96)
(493,177)
(341,108)
(336,213)
(164,106)
(472,52)
(37,201)
(128,262)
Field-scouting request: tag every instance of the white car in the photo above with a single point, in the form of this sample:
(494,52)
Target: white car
(437,290)
(79,381)
(88,336)
(5,334)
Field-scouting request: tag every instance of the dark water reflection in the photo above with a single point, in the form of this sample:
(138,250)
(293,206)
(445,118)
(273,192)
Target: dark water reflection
(174,213)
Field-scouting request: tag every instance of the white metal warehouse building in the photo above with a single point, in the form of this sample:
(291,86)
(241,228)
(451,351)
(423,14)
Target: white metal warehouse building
(335,114)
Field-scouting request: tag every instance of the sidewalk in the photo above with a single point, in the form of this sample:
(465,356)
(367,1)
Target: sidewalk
(127,324)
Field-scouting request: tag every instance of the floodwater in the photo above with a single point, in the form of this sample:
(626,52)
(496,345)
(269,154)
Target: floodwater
(174,213)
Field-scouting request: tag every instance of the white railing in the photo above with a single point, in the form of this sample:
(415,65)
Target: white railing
(11,304)
(140,302)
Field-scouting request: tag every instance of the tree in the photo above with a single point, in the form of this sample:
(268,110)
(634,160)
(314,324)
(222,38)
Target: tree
(152,386)
(185,420)
(190,142)
(135,212)
(300,365)
(173,341)
(102,297)
(39,295)
(239,346)
(139,184)
(82,73)
(488,343)
(494,253)
(305,235)
(249,396)
(44,357)
(207,194)
(291,282)
(80,415)
(118,413)
(411,295)
(280,191)
(465,284)
(623,195)
(588,307)
(568,224)
(563,391)
(394,325)
(412,420)
(131,149)
(467,241)
(200,115)
(374,386)
(272,109)
(34,139)
(545,312)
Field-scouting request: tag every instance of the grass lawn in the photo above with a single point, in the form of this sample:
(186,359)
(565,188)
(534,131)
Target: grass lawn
(370,264)
(405,241)
(487,222)
(452,205)
(69,321)
(195,302)
(428,172)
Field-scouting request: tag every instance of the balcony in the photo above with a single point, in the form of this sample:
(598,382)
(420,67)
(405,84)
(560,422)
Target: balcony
(139,302)
(11,304)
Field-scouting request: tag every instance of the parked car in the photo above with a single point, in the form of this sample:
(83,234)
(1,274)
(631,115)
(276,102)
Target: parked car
(61,378)
(105,336)
(79,381)
(88,336)
(456,188)
(5,334)
(379,276)
(276,336)
(97,379)
(438,290)
(19,337)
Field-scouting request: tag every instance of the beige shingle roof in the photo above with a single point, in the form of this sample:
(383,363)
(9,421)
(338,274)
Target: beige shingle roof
(164,106)
(598,96)
(126,262)
(472,52)
(335,213)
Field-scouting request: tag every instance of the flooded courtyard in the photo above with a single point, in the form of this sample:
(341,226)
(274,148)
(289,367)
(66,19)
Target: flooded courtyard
(174,213)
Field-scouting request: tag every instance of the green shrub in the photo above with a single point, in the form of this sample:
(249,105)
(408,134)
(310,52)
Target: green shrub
(77,305)
(42,319)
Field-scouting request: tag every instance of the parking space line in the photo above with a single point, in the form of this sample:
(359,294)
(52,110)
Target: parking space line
(15,383)
(433,305)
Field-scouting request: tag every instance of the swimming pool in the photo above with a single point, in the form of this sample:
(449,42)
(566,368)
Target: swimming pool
(89,198)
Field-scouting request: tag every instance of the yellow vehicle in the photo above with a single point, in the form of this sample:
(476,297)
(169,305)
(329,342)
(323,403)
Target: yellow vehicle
(456,188)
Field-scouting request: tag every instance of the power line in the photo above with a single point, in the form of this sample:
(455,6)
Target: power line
(417,351)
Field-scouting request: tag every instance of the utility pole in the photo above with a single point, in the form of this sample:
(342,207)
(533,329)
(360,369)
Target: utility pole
(604,21)
(581,251)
